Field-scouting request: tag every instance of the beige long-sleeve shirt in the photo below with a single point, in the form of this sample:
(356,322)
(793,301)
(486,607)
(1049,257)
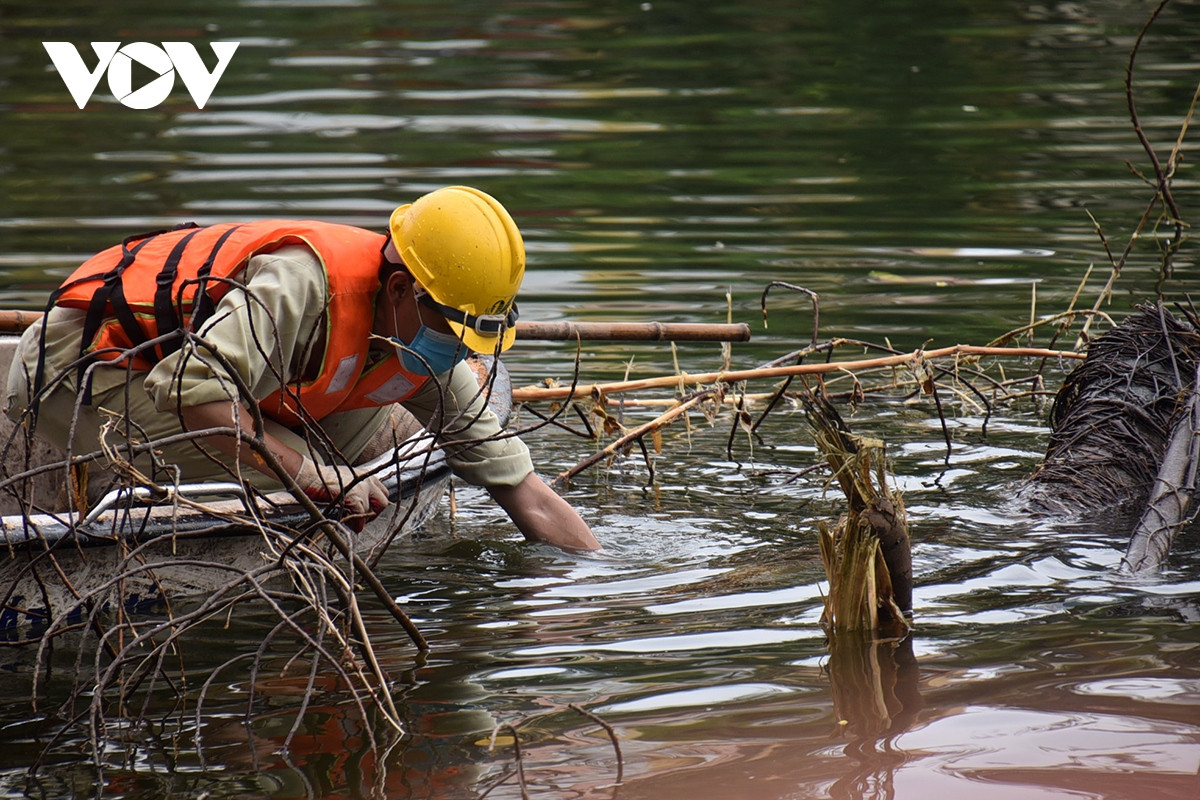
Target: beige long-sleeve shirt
(267,332)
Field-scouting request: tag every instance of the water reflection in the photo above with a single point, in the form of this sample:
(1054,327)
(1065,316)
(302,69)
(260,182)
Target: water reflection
(923,166)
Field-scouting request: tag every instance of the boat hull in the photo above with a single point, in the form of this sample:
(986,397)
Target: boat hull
(137,551)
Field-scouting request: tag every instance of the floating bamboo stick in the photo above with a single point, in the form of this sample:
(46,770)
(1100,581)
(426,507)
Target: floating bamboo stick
(634,331)
(535,393)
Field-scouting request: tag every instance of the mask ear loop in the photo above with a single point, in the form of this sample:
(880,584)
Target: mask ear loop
(400,344)
(396,320)
(397,342)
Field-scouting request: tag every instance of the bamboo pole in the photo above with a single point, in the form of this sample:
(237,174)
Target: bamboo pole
(535,393)
(634,331)
(13,321)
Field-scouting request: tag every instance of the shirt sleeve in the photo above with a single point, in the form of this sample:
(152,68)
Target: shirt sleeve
(260,332)
(478,449)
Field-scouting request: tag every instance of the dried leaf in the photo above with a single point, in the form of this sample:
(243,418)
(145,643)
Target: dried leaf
(612,427)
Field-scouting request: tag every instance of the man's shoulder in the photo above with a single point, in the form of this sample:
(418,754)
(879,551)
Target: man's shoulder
(299,256)
(294,266)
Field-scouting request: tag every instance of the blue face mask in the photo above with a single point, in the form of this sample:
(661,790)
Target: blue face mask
(440,351)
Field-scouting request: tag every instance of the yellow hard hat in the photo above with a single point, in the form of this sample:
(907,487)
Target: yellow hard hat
(467,254)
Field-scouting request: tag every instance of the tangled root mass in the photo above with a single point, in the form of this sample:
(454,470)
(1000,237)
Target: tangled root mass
(1113,416)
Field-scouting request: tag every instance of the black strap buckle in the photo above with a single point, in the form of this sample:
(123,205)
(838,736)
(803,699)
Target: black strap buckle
(483,324)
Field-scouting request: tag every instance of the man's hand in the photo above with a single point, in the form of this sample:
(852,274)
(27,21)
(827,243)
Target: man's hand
(366,498)
(322,482)
(544,516)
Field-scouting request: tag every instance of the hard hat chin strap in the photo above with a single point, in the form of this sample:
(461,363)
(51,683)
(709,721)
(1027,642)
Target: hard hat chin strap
(483,324)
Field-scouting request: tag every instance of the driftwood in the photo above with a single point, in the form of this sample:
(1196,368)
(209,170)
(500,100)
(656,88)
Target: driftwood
(1111,418)
(1126,423)
(1169,507)
(1124,434)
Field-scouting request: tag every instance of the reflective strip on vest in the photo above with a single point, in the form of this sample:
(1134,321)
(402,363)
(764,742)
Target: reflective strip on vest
(397,388)
(347,371)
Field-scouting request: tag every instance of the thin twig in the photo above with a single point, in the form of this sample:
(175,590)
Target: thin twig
(637,433)
(612,735)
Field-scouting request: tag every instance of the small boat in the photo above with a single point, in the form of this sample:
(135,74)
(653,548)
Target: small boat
(136,546)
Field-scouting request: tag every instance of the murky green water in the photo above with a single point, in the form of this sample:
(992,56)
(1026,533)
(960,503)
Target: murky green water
(924,166)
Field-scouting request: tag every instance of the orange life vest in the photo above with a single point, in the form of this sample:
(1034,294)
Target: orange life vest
(142,293)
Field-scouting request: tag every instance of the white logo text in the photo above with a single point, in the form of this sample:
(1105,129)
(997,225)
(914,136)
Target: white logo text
(118,60)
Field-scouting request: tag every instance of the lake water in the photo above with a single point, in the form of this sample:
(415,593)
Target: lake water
(926,167)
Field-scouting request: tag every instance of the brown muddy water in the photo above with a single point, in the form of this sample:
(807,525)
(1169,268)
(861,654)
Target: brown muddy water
(927,167)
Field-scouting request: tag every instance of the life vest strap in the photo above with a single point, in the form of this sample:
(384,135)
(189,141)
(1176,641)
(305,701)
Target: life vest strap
(109,292)
(204,307)
(165,316)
